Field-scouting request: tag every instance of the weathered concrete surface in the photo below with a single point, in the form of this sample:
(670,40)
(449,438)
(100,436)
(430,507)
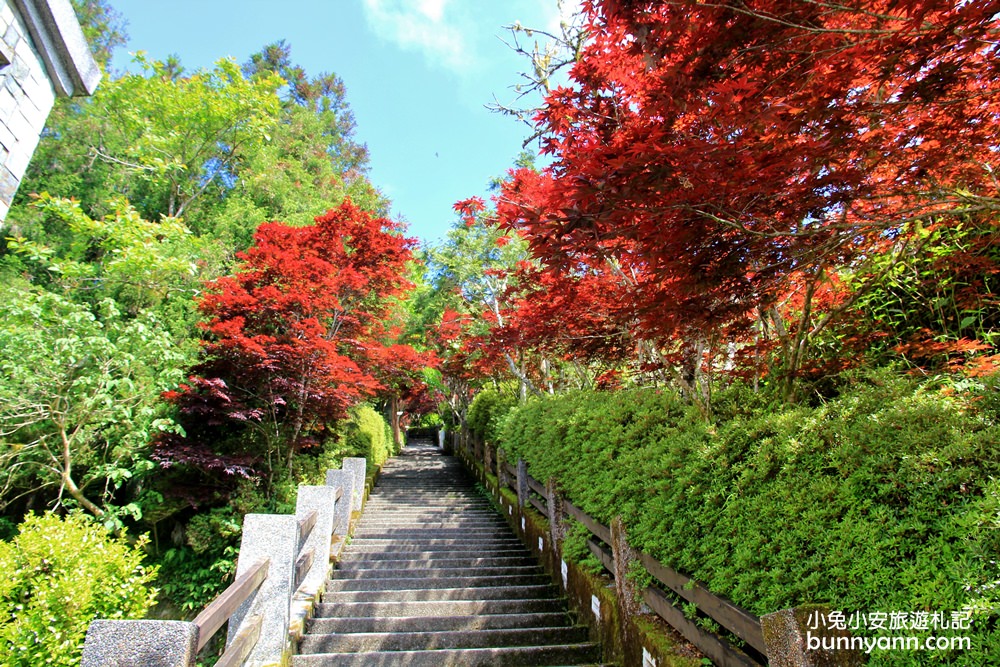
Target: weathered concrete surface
(273,536)
(342,513)
(785,634)
(140,644)
(357,469)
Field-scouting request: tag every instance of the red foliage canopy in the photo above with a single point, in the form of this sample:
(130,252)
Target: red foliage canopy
(712,149)
(296,336)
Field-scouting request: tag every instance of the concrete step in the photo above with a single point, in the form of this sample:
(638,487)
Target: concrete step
(438,623)
(439,573)
(396,546)
(409,641)
(489,534)
(439,554)
(460,519)
(411,583)
(350,563)
(520,656)
(439,608)
(529,592)
(401,507)
(398,529)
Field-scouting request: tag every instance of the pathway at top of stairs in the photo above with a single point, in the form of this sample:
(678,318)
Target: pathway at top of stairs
(435,577)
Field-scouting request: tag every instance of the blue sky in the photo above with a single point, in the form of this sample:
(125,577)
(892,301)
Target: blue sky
(418,74)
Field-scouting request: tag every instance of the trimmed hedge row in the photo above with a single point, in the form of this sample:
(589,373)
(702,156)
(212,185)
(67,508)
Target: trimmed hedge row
(886,498)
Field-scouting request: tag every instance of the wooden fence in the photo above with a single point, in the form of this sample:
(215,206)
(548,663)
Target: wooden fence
(548,501)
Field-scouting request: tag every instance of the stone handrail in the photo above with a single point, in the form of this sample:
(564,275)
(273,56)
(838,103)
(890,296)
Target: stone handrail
(283,564)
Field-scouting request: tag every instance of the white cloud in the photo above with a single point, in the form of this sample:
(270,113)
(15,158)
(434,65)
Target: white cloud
(557,13)
(422,25)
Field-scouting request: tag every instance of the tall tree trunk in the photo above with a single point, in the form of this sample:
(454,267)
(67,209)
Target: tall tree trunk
(397,438)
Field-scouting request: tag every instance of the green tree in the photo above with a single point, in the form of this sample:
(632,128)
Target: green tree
(79,398)
(172,144)
(311,162)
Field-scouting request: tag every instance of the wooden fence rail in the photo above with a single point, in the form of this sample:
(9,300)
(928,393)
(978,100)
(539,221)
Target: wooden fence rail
(218,612)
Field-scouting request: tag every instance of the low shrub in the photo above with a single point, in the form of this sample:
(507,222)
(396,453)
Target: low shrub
(58,575)
(886,498)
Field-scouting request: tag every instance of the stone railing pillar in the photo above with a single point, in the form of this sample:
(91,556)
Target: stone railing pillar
(801,637)
(273,536)
(322,500)
(357,468)
(342,512)
(150,643)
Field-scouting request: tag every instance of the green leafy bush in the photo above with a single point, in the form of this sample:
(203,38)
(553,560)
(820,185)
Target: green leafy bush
(369,435)
(886,498)
(487,411)
(59,575)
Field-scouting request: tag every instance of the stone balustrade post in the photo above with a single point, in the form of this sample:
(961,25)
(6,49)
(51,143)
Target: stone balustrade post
(801,637)
(358,468)
(273,536)
(322,500)
(342,512)
(147,643)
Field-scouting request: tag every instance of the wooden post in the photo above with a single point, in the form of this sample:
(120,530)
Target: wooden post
(624,556)
(522,482)
(488,457)
(557,515)
(626,592)
(502,477)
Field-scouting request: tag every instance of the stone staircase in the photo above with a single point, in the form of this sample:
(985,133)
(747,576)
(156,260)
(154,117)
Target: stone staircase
(435,577)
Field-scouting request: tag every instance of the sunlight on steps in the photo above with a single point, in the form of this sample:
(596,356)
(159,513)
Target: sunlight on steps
(434,577)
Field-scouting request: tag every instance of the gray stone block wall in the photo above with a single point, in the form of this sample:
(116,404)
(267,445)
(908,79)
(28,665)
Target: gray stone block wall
(26,97)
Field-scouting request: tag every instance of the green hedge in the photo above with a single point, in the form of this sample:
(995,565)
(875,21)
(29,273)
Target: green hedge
(487,411)
(369,435)
(884,499)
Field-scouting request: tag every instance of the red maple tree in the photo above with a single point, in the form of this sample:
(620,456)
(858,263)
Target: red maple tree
(295,337)
(715,151)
